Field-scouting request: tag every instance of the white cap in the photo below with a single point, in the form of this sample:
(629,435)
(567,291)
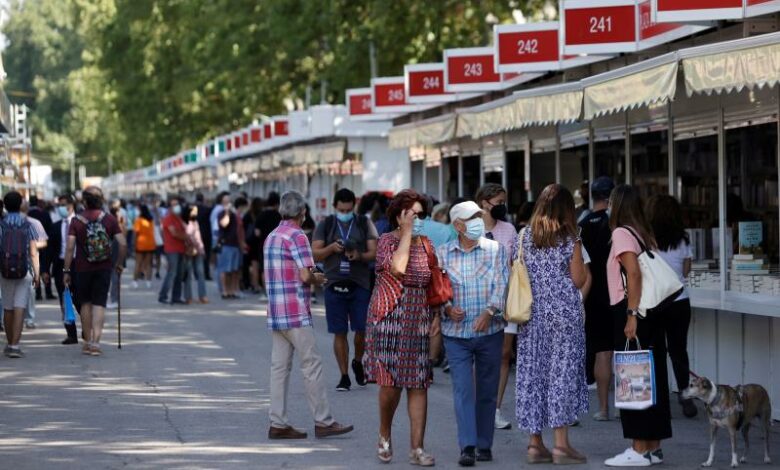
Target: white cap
(464,211)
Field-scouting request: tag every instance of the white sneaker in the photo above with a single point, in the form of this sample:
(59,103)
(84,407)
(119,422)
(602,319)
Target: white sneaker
(502,423)
(656,456)
(629,458)
(135,284)
(112,305)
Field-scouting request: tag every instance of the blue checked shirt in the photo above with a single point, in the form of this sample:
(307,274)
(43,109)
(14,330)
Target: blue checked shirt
(479,280)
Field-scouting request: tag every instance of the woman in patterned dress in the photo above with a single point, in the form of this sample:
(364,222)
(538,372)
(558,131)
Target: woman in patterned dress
(551,384)
(400,324)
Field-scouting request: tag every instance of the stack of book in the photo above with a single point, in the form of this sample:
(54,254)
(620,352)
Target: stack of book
(749,265)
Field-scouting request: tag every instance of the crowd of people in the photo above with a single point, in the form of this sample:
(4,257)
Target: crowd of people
(379,265)
(375,260)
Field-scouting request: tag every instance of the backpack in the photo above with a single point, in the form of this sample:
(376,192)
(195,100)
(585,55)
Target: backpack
(14,250)
(98,244)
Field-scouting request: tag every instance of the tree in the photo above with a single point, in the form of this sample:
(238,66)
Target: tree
(129,79)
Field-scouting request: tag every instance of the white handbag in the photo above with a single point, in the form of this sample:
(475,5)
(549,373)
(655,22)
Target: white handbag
(660,284)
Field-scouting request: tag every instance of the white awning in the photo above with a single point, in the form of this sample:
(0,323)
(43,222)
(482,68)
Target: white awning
(641,84)
(732,65)
(537,106)
(421,133)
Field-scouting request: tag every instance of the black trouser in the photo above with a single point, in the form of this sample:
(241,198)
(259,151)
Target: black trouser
(676,320)
(207,258)
(56,272)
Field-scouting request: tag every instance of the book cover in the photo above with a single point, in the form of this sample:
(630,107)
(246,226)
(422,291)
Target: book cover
(751,234)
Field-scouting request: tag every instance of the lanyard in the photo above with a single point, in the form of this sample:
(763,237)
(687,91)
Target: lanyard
(341,230)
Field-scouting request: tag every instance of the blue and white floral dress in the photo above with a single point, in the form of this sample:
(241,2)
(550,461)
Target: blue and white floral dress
(551,384)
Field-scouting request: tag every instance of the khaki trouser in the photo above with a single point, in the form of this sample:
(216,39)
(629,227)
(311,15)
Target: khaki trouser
(285,343)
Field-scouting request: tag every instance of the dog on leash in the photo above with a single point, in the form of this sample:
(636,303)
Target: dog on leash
(733,409)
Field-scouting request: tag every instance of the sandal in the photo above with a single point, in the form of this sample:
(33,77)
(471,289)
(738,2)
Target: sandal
(567,457)
(384,450)
(539,455)
(419,457)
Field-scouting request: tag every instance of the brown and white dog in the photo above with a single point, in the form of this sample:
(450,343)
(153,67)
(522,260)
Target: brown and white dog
(733,409)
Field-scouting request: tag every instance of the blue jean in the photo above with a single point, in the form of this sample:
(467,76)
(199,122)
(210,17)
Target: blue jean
(172,277)
(194,268)
(475,403)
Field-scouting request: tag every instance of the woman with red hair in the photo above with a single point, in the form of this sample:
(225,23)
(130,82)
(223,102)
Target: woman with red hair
(400,324)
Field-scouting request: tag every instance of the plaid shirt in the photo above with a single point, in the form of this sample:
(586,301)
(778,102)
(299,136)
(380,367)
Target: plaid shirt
(286,251)
(479,280)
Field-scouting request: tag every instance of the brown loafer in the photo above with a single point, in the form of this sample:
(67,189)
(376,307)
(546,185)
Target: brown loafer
(334,429)
(285,433)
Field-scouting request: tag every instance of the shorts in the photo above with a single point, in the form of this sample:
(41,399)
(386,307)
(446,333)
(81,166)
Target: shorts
(16,292)
(91,287)
(344,309)
(229,259)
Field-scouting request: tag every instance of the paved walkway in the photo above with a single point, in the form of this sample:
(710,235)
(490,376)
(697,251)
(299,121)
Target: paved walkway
(189,389)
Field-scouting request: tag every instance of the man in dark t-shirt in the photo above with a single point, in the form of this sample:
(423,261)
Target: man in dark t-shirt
(267,222)
(599,329)
(93,277)
(345,243)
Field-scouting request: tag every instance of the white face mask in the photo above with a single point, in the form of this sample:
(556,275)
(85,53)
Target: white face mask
(475,229)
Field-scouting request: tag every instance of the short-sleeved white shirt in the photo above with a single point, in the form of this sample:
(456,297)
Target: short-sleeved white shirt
(675,258)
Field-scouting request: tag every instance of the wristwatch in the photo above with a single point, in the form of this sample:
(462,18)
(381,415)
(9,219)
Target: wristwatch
(632,312)
(494,312)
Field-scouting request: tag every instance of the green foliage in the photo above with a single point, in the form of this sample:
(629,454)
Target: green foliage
(129,79)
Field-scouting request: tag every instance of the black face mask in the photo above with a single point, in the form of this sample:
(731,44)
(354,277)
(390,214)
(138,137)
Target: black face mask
(498,212)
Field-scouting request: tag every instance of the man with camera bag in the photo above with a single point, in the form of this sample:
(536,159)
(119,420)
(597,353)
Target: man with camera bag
(345,243)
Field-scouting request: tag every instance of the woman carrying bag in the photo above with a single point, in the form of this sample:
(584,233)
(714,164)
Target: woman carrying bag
(551,387)
(630,231)
(400,324)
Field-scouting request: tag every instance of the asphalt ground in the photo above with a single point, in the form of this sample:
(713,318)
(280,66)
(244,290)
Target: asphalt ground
(189,389)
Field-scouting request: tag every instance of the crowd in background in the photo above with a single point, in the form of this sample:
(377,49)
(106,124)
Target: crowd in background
(373,260)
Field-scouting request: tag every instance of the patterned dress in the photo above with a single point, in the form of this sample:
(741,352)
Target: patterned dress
(399,320)
(551,385)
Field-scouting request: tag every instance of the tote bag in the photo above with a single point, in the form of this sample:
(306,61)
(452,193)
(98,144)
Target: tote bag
(634,378)
(519,298)
(660,284)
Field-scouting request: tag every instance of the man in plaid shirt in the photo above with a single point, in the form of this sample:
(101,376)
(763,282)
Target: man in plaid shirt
(289,276)
(473,328)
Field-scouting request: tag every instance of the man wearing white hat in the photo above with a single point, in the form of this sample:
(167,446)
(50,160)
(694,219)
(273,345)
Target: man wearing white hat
(473,328)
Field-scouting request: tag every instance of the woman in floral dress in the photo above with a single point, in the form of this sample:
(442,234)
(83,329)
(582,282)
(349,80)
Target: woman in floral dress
(551,384)
(400,324)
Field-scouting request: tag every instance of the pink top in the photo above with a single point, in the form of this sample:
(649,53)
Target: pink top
(505,234)
(622,242)
(193,233)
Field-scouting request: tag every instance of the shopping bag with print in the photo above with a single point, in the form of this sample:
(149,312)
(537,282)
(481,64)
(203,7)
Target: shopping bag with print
(70,310)
(634,378)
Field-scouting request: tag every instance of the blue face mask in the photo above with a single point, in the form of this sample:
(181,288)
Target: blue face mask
(345,218)
(475,228)
(176,210)
(417,228)
(62,211)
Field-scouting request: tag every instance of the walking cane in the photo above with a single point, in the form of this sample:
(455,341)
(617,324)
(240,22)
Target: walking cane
(119,315)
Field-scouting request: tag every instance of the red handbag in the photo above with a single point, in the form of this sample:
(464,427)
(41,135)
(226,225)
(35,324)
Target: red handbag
(440,287)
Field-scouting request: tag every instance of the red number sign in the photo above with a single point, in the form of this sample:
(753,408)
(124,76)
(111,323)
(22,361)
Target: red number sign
(523,47)
(237,141)
(426,82)
(257,135)
(281,128)
(268,131)
(359,104)
(389,94)
(600,25)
